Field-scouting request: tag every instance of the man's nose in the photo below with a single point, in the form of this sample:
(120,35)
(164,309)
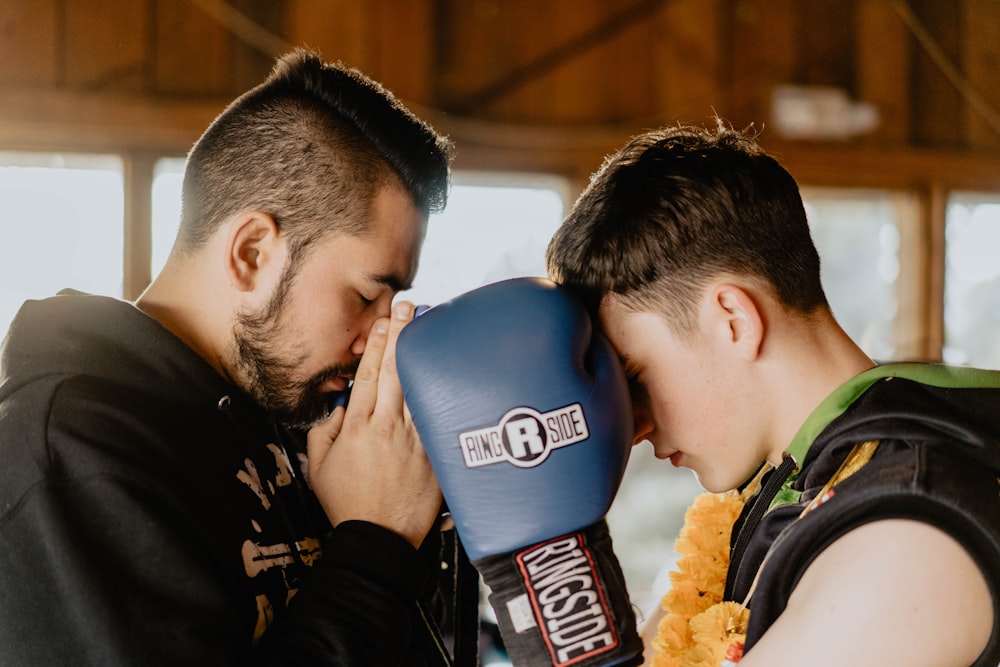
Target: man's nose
(379,309)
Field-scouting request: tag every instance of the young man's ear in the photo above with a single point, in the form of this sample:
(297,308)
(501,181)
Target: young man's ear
(254,251)
(740,319)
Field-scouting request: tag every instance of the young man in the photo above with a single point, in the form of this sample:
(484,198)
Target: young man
(693,249)
(155,506)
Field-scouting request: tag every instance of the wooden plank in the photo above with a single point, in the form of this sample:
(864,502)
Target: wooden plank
(825,43)
(935,105)
(469,53)
(562,61)
(598,65)
(191,51)
(338,29)
(687,55)
(107,45)
(529,31)
(29,42)
(254,48)
(577,89)
(405,33)
(625,66)
(762,53)
(981,59)
(883,56)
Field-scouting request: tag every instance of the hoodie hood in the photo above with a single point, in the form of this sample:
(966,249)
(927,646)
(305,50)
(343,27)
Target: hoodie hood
(102,337)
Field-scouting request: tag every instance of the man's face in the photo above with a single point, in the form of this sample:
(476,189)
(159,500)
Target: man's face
(304,346)
(684,398)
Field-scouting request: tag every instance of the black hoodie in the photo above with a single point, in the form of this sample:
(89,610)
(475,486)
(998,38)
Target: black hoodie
(151,514)
(938,462)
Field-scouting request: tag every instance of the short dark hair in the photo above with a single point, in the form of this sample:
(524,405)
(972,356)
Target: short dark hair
(313,142)
(677,206)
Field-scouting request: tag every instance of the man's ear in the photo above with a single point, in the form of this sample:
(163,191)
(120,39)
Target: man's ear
(740,319)
(254,251)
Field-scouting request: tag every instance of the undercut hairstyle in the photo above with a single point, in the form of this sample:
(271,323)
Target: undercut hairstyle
(310,146)
(675,208)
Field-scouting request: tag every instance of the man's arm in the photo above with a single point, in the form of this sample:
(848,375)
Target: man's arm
(892,592)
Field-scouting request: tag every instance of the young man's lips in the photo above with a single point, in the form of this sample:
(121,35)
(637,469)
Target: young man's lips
(674,457)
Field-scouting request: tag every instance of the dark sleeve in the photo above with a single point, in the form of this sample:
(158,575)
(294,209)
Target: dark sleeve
(94,571)
(355,607)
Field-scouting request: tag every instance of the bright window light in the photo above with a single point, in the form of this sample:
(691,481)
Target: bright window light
(64,227)
(494,227)
(857,234)
(168,175)
(972,280)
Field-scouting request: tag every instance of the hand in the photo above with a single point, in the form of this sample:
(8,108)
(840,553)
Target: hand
(366,462)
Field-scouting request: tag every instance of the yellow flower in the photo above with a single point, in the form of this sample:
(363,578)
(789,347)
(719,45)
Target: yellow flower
(695,630)
(719,626)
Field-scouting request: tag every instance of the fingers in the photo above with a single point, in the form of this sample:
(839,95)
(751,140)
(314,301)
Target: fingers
(390,393)
(376,382)
(365,388)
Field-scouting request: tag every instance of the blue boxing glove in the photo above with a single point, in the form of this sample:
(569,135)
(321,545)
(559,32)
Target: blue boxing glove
(525,415)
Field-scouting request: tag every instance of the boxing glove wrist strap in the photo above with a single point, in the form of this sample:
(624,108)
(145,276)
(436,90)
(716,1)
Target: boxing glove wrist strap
(563,602)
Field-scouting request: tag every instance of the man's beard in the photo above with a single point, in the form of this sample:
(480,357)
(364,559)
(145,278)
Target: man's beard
(270,376)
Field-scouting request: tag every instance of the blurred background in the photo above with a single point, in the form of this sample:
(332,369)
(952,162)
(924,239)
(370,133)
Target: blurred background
(885,111)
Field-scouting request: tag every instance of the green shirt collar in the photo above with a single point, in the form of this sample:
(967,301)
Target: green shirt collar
(935,375)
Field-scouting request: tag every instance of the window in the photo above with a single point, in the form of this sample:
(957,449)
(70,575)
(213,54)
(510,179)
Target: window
(168,176)
(494,227)
(972,280)
(64,227)
(858,236)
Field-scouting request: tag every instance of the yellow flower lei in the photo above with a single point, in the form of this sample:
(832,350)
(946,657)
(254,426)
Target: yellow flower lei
(699,628)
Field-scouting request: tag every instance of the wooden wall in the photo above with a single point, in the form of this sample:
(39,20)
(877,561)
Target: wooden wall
(549,85)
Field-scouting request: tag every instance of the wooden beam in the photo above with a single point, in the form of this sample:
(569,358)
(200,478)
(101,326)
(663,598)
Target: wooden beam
(404,34)
(338,29)
(191,51)
(854,165)
(761,55)
(883,57)
(29,45)
(981,56)
(687,57)
(936,105)
(101,122)
(912,285)
(825,31)
(935,210)
(138,182)
(106,45)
